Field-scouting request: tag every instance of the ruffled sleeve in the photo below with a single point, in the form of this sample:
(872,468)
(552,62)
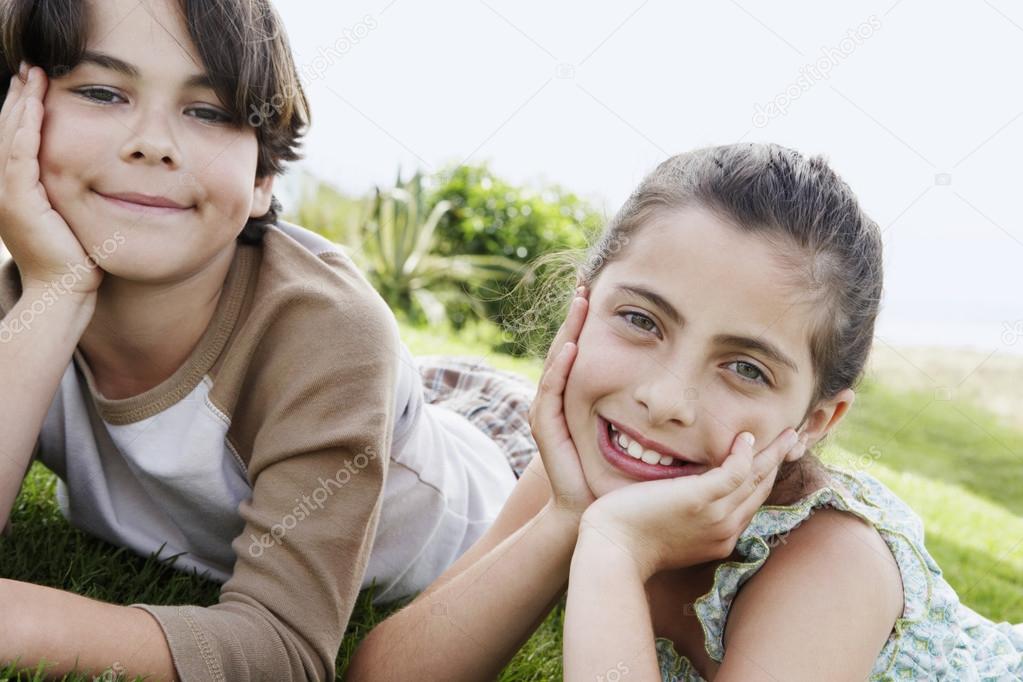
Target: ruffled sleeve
(858,494)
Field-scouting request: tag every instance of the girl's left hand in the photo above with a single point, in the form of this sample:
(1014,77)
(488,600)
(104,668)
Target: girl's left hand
(684,521)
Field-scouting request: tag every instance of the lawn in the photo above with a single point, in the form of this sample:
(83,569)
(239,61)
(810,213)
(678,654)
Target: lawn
(956,463)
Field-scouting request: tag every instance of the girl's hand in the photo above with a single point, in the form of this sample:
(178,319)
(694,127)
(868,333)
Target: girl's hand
(39,239)
(569,490)
(684,521)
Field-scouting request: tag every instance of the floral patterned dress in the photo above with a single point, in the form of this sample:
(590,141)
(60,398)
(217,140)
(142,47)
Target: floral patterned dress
(937,638)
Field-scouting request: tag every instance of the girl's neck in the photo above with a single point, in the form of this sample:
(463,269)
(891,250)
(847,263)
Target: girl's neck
(141,333)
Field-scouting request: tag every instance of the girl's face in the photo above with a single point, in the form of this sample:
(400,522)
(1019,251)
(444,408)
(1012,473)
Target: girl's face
(692,337)
(135,117)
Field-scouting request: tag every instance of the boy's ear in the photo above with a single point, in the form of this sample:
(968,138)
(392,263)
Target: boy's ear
(262,194)
(826,415)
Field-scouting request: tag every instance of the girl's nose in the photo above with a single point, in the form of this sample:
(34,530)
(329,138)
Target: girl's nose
(668,398)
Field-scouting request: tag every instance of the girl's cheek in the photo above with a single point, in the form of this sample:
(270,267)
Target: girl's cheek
(729,415)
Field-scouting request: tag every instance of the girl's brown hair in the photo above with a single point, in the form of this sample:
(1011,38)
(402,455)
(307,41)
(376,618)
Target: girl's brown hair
(243,47)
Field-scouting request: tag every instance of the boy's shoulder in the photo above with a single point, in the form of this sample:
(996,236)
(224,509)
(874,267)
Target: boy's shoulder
(302,325)
(300,270)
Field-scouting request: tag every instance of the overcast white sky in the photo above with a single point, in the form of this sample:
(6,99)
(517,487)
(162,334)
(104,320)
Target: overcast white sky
(919,105)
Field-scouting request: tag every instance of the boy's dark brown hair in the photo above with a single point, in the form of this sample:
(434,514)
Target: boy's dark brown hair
(243,47)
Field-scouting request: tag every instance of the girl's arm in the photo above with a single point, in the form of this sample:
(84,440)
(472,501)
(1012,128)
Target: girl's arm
(637,531)
(472,620)
(820,609)
(67,632)
(608,631)
(829,597)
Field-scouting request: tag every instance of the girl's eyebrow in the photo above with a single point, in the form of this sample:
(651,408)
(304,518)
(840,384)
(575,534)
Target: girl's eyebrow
(656,300)
(766,348)
(106,61)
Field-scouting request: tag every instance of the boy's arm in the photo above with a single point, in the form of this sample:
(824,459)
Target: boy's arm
(37,339)
(316,404)
(472,620)
(315,409)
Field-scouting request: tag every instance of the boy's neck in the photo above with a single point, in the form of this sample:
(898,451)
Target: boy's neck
(140,334)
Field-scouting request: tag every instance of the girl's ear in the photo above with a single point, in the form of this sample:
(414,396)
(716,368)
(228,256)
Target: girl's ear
(826,416)
(262,194)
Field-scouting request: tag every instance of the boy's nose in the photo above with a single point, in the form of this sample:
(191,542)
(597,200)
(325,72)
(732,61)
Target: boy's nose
(153,142)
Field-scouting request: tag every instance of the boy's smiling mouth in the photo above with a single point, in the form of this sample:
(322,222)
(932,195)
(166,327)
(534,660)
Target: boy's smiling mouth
(144,203)
(639,457)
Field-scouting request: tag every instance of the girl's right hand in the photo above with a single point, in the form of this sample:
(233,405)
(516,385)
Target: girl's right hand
(569,490)
(40,240)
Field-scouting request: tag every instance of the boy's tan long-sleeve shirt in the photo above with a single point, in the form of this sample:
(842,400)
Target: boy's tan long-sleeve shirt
(266,460)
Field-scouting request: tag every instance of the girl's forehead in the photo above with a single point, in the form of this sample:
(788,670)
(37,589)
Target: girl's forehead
(717,277)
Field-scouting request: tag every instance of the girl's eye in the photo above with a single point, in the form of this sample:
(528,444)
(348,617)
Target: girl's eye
(641,322)
(747,371)
(207,114)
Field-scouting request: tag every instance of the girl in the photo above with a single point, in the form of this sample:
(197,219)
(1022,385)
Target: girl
(203,378)
(732,299)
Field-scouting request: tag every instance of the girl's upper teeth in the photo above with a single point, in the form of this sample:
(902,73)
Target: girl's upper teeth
(639,452)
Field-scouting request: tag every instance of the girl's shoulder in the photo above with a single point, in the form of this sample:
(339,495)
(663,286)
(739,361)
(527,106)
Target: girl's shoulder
(855,522)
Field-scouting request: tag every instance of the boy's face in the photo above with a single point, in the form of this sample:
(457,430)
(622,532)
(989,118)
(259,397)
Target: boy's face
(689,387)
(152,133)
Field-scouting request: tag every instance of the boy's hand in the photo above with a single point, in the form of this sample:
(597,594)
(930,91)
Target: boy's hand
(39,239)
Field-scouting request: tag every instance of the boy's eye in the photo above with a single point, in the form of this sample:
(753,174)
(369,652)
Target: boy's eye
(640,321)
(749,372)
(105,96)
(91,93)
(214,115)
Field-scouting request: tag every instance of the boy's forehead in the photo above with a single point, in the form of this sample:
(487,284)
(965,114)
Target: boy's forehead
(148,32)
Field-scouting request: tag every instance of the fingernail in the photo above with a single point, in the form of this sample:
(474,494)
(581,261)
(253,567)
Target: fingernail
(748,437)
(797,451)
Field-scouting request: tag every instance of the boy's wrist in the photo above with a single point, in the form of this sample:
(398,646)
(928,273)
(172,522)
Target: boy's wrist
(37,304)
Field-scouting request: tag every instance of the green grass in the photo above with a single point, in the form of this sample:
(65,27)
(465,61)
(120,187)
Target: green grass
(955,464)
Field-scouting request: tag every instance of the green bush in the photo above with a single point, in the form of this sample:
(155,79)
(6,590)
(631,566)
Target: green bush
(489,216)
(462,262)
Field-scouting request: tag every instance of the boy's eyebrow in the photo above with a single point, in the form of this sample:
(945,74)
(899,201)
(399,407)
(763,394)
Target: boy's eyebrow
(766,348)
(106,61)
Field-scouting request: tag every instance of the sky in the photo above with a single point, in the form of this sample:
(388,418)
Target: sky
(918,105)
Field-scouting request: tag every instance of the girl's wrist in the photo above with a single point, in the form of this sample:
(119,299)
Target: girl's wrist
(617,551)
(564,519)
(597,552)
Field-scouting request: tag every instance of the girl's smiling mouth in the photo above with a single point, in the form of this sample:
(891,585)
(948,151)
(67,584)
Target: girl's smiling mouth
(626,454)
